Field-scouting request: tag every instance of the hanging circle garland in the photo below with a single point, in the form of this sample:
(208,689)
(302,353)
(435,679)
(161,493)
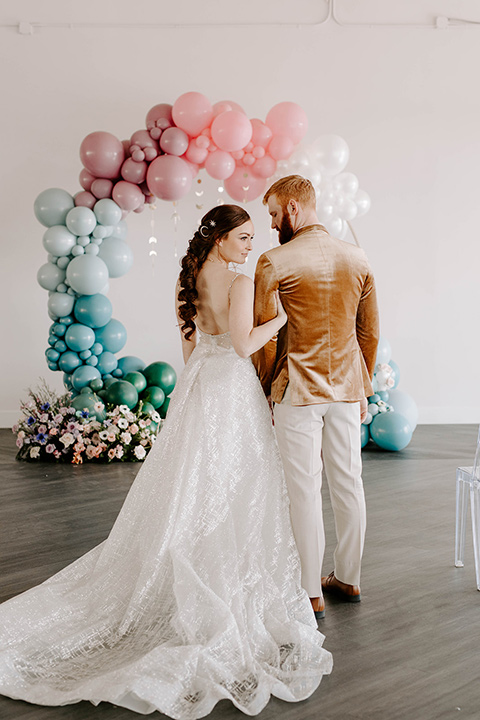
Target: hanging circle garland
(86,233)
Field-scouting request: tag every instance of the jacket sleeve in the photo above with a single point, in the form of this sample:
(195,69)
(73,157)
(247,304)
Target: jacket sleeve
(367,325)
(265,308)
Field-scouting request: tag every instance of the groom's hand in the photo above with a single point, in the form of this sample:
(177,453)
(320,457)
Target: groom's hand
(363,409)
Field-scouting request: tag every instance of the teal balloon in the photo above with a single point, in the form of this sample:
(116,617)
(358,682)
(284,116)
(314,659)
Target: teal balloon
(374,398)
(154,395)
(81,221)
(107,363)
(96,384)
(52,340)
(67,320)
(52,355)
(117,373)
(365,435)
(163,409)
(116,255)
(85,354)
(390,431)
(83,376)
(59,329)
(97,348)
(52,365)
(112,336)
(162,375)
(58,241)
(50,276)
(130,363)
(383,395)
(384,351)
(60,304)
(86,390)
(52,206)
(395,374)
(108,380)
(137,379)
(60,346)
(67,381)
(87,274)
(107,212)
(79,337)
(87,401)
(122,393)
(93,310)
(69,361)
(92,360)
(404,404)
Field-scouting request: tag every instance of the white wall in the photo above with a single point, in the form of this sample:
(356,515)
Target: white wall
(405,99)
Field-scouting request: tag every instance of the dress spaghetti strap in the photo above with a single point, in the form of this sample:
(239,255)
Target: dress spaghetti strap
(230,287)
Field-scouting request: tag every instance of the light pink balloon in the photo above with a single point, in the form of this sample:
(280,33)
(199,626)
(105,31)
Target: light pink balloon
(102,154)
(281,147)
(195,154)
(134,172)
(207,132)
(258,151)
(242,186)
(220,165)
(193,167)
(192,112)
(264,167)
(143,139)
(261,133)
(238,154)
(161,112)
(248,159)
(231,131)
(169,177)
(85,199)
(288,118)
(155,133)
(86,178)
(150,154)
(174,141)
(127,195)
(202,142)
(102,188)
(225,106)
(139,209)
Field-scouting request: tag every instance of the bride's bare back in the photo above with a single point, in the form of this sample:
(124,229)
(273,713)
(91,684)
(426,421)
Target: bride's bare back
(214,283)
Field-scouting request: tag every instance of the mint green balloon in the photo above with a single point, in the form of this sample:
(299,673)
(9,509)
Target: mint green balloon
(137,379)
(122,393)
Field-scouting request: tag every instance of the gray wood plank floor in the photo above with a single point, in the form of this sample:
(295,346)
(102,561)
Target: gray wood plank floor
(409,650)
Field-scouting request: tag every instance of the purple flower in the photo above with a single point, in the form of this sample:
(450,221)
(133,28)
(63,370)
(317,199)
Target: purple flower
(46,406)
(84,413)
(50,448)
(30,421)
(41,438)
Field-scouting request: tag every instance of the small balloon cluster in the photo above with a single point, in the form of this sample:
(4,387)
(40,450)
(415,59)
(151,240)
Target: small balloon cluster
(180,139)
(339,198)
(392,414)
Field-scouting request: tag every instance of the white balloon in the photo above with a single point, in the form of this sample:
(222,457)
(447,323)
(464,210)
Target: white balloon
(331,154)
(343,232)
(384,351)
(347,182)
(324,212)
(349,210)
(363,202)
(334,226)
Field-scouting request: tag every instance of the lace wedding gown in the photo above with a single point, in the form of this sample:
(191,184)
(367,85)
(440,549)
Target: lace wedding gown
(195,595)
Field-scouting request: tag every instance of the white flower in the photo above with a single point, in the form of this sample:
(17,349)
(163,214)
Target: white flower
(111,437)
(133,428)
(44,418)
(140,452)
(155,417)
(123,424)
(98,406)
(35,452)
(126,438)
(124,409)
(21,434)
(119,452)
(103,435)
(67,439)
(142,423)
(130,417)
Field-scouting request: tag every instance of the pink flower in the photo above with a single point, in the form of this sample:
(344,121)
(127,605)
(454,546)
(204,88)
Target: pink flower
(79,447)
(111,453)
(50,448)
(119,451)
(44,418)
(53,431)
(91,451)
(19,442)
(133,428)
(57,454)
(14,428)
(42,429)
(111,437)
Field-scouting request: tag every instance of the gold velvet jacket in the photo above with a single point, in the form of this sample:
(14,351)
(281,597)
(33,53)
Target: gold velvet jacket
(326,351)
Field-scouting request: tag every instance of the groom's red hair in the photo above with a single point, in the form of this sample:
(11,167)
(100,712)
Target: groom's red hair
(292,187)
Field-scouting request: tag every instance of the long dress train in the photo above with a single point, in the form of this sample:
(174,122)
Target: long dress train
(195,595)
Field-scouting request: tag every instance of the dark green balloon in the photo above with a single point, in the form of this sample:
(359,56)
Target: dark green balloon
(107,381)
(86,401)
(147,408)
(122,393)
(154,395)
(162,411)
(96,384)
(162,375)
(137,379)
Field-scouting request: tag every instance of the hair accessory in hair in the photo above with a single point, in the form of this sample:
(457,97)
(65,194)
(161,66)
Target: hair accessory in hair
(212,223)
(203,231)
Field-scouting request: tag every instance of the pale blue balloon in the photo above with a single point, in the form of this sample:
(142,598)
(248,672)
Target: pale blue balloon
(84,375)
(52,205)
(112,336)
(78,250)
(62,262)
(68,362)
(62,288)
(87,274)
(60,304)
(107,363)
(92,249)
(120,230)
(93,310)
(79,337)
(58,241)
(81,221)
(405,405)
(373,409)
(395,374)
(131,363)
(117,256)
(384,351)
(391,431)
(49,276)
(107,212)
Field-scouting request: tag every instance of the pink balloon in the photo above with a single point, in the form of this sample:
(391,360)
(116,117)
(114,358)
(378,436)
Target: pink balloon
(261,133)
(127,195)
(242,186)
(134,172)
(231,130)
(202,142)
(159,114)
(248,159)
(192,112)
(138,156)
(280,147)
(258,151)
(85,199)
(264,167)
(169,177)
(139,209)
(102,188)
(102,154)
(150,154)
(220,165)
(288,118)
(195,154)
(225,106)
(193,167)
(238,154)
(155,133)
(143,139)
(174,141)
(86,179)
(126,147)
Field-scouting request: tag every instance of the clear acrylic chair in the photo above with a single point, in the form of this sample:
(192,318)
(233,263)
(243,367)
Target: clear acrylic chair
(468,485)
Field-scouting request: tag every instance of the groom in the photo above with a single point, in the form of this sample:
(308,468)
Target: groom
(318,373)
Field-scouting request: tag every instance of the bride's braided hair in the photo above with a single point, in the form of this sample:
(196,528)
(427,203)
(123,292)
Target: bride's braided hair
(214,225)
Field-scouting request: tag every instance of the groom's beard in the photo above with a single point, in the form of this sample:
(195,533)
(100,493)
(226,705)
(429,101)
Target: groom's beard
(285,232)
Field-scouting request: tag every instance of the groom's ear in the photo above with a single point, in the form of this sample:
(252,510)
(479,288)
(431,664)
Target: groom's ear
(292,206)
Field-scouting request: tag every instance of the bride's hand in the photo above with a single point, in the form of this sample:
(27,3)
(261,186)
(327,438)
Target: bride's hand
(281,314)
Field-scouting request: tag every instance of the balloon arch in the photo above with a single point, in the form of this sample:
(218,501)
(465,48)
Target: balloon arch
(85,236)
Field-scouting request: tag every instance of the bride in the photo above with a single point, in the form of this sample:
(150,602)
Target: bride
(195,595)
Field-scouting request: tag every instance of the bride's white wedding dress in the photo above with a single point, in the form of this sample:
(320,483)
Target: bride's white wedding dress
(195,595)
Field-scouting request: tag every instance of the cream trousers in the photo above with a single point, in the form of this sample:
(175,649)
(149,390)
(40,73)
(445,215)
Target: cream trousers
(310,438)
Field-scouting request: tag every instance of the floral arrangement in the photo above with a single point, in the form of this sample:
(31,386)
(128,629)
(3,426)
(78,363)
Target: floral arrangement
(51,429)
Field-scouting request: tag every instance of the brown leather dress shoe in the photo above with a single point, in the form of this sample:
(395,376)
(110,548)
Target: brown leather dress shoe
(349,593)
(318,605)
